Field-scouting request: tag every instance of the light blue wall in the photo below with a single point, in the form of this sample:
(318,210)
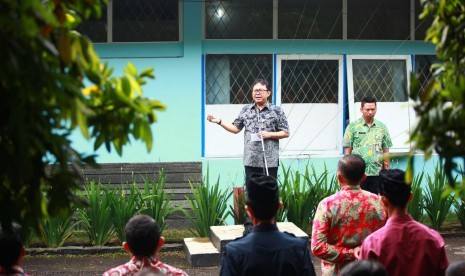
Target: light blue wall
(178,84)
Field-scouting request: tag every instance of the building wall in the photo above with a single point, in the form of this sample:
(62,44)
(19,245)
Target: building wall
(179,132)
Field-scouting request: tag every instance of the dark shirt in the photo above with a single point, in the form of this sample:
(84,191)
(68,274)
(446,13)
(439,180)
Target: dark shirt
(267,251)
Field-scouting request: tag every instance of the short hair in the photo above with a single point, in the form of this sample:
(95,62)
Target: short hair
(364,268)
(263,82)
(392,185)
(262,195)
(142,235)
(352,167)
(456,269)
(11,244)
(368,100)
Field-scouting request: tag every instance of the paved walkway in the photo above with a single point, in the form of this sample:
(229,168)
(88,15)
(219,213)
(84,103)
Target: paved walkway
(96,264)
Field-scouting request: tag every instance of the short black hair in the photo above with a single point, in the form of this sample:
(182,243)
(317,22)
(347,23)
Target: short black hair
(368,100)
(142,235)
(456,269)
(262,195)
(352,167)
(364,268)
(393,186)
(11,244)
(263,82)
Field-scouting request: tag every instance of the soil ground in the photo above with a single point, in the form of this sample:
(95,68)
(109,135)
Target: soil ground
(98,263)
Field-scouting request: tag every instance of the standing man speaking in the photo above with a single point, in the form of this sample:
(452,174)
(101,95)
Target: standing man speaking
(264,125)
(370,139)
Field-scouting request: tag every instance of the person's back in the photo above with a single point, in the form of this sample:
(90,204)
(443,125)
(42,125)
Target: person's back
(11,250)
(266,250)
(343,220)
(403,246)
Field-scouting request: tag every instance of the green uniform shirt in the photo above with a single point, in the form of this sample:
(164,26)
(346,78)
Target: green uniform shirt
(368,142)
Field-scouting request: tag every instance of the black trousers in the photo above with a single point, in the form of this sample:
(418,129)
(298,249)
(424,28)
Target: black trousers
(371,184)
(272,171)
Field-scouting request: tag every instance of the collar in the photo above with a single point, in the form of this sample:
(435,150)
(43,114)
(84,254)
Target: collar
(365,124)
(350,188)
(399,219)
(269,227)
(253,106)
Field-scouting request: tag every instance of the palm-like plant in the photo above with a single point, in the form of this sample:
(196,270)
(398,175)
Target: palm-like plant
(97,218)
(459,206)
(209,206)
(436,205)
(416,206)
(124,204)
(156,202)
(56,230)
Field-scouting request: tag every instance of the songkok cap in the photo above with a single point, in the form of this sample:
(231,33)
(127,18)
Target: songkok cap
(262,189)
(392,183)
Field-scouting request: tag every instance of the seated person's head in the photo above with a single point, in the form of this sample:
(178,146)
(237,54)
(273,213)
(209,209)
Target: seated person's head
(392,185)
(262,196)
(456,269)
(143,237)
(364,268)
(352,168)
(11,246)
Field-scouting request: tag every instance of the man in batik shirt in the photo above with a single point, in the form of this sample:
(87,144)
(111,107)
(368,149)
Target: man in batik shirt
(342,221)
(143,242)
(370,139)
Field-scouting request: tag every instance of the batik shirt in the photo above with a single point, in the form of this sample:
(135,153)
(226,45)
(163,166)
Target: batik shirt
(368,142)
(136,264)
(342,221)
(14,271)
(270,118)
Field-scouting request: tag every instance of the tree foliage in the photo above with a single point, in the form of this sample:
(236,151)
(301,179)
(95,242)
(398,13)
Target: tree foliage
(52,82)
(440,107)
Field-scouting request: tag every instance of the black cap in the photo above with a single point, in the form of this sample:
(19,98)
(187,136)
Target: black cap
(262,189)
(392,185)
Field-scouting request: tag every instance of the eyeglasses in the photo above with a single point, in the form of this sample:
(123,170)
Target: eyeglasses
(259,91)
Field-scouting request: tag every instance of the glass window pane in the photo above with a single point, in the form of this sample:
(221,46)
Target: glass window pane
(239,19)
(95,29)
(318,19)
(145,20)
(229,78)
(421,25)
(386,80)
(378,19)
(310,81)
(423,69)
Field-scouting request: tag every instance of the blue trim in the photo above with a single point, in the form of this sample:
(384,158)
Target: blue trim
(140,50)
(412,57)
(274,79)
(345,93)
(202,107)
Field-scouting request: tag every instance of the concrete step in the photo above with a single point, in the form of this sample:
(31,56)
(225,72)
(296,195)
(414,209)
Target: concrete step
(201,252)
(208,251)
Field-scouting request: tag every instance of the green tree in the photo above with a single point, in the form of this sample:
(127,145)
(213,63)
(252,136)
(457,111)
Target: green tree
(441,125)
(52,82)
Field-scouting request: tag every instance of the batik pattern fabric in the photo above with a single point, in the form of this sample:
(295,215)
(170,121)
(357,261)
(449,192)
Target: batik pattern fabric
(368,142)
(271,118)
(136,264)
(14,271)
(341,223)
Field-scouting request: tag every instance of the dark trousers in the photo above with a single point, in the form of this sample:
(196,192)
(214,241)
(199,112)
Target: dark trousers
(272,171)
(371,184)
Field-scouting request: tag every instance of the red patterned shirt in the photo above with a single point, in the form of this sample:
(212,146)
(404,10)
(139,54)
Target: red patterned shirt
(136,264)
(342,221)
(14,271)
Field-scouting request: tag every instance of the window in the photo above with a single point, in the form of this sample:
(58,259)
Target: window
(229,78)
(319,19)
(135,21)
(239,19)
(422,69)
(378,19)
(421,24)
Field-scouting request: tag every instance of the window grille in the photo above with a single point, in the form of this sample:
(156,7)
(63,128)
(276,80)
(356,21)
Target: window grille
(422,69)
(239,19)
(229,78)
(95,29)
(310,81)
(386,80)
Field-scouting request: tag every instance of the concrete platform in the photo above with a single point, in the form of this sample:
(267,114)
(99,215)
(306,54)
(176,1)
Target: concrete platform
(201,252)
(208,251)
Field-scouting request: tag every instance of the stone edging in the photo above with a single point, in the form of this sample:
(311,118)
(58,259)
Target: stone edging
(89,250)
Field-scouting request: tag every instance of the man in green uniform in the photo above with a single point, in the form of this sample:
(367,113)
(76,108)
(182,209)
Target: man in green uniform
(370,139)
